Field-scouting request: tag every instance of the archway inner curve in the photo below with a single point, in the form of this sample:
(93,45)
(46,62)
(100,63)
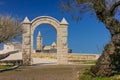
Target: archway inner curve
(44,36)
(44,20)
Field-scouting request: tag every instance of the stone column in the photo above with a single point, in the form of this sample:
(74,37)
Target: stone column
(63,43)
(59,50)
(26,42)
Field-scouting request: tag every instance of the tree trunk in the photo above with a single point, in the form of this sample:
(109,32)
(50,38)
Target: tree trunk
(109,60)
(116,57)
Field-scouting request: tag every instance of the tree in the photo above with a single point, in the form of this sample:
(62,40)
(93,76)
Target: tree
(104,11)
(9,28)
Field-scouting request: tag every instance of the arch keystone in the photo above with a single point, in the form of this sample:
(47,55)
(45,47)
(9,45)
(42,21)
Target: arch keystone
(64,21)
(26,20)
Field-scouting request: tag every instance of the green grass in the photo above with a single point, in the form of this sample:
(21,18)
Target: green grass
(4,66)
(87,76)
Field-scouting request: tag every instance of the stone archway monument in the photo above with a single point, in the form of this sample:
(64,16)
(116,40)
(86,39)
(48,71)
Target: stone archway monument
(27,38)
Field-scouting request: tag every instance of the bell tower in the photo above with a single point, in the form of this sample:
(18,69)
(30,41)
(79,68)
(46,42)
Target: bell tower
(39,42)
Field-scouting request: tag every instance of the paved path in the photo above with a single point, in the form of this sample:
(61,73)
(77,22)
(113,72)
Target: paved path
(44,72)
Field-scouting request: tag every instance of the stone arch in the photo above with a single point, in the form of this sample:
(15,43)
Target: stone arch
(62,33)
(45,20)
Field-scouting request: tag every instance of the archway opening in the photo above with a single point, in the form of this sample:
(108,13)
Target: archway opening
(45,44)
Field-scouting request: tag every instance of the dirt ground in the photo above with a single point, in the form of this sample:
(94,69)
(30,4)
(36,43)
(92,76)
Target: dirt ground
(44,72)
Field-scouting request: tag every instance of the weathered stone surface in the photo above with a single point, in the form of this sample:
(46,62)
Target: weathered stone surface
(62,33)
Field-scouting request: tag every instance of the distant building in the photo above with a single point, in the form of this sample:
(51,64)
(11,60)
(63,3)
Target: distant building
(39,42)
(50,49)
(11,46)
(46,49)
(12,59)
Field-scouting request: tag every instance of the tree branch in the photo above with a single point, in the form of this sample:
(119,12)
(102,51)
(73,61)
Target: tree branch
(112,10)
(3,56)
(83,1)
(100,9)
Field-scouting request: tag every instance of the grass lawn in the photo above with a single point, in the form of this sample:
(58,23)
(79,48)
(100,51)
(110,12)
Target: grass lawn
(4,66)
(86,76)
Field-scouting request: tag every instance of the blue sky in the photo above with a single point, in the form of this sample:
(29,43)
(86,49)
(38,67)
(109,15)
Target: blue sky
(86,36)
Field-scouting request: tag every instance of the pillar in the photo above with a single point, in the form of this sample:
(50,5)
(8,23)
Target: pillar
(62,45)
(26,42)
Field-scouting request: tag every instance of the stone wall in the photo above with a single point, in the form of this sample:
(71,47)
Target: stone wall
(72,56)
